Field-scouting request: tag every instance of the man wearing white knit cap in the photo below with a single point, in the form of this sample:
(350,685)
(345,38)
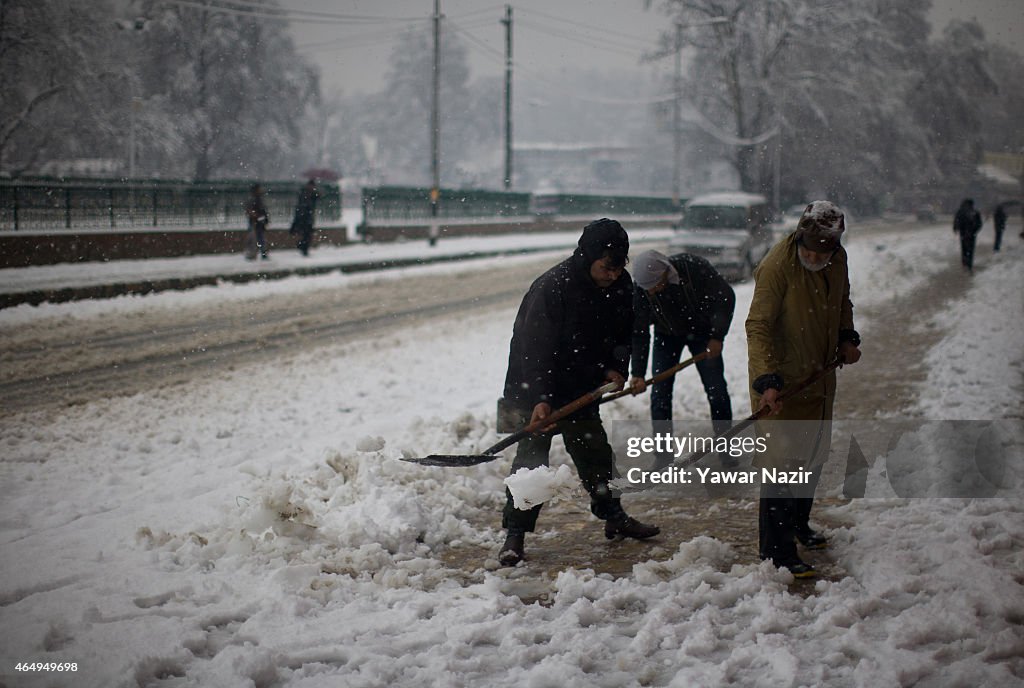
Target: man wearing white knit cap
(690,306)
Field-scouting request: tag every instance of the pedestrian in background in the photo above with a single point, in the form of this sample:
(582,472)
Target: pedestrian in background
(305,208)
(690,305)
(572,335)
(800,320)
(967,223)
(999,225)
(259,219)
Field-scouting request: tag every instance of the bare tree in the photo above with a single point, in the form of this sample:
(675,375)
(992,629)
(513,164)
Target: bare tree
(54,69)
(237,91)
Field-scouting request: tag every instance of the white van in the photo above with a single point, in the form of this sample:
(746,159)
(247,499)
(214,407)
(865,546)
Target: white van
(731,230)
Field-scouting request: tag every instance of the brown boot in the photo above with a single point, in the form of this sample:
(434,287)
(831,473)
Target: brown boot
(626,526)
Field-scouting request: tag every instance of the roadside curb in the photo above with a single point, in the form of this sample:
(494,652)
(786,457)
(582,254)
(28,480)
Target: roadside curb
(141,287)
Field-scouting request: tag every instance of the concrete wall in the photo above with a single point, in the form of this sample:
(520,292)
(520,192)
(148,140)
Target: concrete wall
(20,249)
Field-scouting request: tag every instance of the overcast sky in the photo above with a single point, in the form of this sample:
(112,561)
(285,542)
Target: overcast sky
(351,40)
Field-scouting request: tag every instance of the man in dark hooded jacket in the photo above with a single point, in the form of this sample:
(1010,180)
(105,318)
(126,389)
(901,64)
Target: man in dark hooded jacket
(572,335)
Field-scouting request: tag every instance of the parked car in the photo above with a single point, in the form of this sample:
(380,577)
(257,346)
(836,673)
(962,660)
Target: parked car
(731,230)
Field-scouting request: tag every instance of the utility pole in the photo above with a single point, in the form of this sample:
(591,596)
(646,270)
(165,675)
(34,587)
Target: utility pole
(435,129)
(507,21)
(777,170)
(677,136)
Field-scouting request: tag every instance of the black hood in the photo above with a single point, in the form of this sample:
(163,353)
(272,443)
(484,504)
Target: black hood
(602,236)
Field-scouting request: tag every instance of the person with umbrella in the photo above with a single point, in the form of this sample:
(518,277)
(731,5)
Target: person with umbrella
(302,224)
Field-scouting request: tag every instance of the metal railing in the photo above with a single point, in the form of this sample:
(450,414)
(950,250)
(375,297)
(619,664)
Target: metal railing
(46,204)
(389,204)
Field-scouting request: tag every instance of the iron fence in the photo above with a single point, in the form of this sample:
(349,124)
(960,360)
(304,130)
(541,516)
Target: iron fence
(47,204)
(389,203)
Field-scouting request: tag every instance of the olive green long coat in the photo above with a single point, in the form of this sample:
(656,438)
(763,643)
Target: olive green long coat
(793,330)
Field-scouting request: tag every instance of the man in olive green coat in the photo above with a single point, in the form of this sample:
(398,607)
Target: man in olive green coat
(800,320)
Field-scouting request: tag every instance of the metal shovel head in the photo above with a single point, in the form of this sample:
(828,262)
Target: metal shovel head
(452,459)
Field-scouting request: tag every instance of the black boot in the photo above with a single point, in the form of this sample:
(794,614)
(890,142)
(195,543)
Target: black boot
(626,526)
(811,539)
(776,533)
(512,551)
(798,568)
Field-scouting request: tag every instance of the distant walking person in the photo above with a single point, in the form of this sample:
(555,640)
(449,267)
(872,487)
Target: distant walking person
(259,218)
(305,207)
(999,224)
(967,223)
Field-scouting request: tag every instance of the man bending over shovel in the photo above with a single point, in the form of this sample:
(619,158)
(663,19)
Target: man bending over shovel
(572,335)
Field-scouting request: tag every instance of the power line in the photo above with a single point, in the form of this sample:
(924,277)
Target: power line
(276,9)
(578,24)
(483,10)
(621,49)
(538,76)
(487,49)
(286,15)
(356,40)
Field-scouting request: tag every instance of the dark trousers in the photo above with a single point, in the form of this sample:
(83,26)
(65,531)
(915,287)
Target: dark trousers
(776,521)
(780,517)
(784,511)
(587,444)
(666,352)
(305,239)
(255,240)
(967,240)
(999,229)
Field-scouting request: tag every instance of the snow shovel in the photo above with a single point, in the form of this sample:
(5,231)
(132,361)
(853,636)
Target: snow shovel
(491,452)
(762,412)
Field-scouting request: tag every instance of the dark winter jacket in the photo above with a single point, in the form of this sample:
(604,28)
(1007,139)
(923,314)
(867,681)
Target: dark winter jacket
(699,307)
(967,221)
(568,334)
(256,211)
(304,209)
(999,218)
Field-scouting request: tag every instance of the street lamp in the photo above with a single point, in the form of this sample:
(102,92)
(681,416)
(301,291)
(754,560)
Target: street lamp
(136,25)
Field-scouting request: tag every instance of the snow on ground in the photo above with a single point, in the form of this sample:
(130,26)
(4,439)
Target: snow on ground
(255,528)
(93,273)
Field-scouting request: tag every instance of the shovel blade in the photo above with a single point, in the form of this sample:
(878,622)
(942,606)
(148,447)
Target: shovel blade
(452,459)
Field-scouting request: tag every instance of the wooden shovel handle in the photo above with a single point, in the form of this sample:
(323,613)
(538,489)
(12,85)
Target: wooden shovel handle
(556,415)
(662,376)
(764,410)
(571,407)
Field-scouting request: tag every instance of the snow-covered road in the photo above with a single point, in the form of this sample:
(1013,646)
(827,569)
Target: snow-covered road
(80,358)
(252,526)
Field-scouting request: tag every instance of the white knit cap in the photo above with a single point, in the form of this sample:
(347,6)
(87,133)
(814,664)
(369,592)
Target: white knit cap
(648,268)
